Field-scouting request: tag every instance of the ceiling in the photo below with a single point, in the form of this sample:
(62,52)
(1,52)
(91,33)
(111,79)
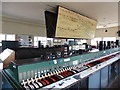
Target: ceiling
(106,13)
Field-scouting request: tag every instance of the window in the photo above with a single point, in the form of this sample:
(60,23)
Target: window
(77,41)
(81,41)
(94,41)
(109,39)
(50,41)
(10,37)
(2,37)
(42,39)
(35,41)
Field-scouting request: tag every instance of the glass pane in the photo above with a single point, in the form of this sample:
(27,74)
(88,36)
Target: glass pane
(36,44)
(42,39)
(10,37)
(50,39)
(81,41)
(39,38)
(94,41)
(109,39)
(2,37)
(35,38)
(0,44)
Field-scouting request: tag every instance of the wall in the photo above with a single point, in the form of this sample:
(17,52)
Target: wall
(111,32)
(14,26)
